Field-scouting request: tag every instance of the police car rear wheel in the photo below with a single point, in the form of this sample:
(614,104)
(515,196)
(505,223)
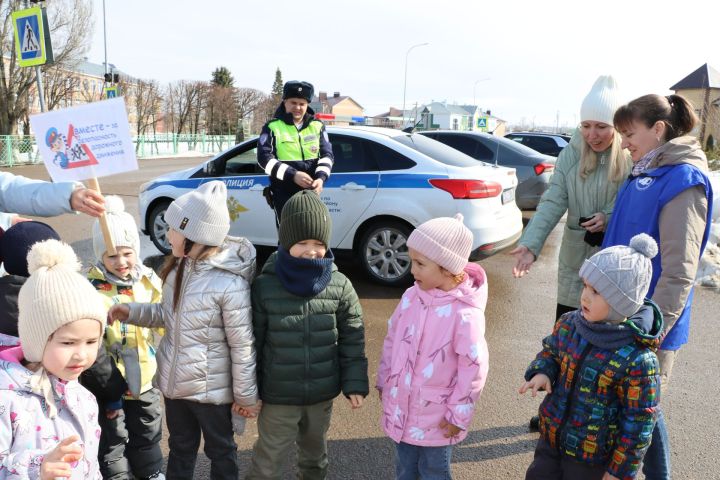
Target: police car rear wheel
(158,227)
(384,253)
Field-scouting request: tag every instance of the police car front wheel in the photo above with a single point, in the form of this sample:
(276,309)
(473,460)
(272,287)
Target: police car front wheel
(384,253)
(159,228)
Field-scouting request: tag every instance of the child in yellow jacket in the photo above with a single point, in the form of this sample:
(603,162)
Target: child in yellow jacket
(121,379)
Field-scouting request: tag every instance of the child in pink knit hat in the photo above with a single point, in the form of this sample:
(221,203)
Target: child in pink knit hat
(435,359)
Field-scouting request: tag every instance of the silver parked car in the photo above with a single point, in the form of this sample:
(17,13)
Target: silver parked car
(533,169)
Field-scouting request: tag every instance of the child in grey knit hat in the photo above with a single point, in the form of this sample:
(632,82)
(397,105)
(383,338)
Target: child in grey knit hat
(600,372)
(206,359)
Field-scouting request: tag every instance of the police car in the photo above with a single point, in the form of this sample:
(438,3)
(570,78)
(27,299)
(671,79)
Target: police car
(384,183)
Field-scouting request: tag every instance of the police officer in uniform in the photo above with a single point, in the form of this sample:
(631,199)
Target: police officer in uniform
(294,149)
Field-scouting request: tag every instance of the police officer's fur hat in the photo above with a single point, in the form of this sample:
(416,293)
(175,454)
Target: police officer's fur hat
(298,89)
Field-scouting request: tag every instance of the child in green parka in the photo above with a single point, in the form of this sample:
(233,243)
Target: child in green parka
(310,342)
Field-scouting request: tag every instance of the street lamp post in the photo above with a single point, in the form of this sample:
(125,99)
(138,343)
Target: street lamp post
(105,38)
(405,84)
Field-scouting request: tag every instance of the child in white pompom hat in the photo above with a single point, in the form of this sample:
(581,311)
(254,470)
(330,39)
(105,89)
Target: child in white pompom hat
(49,421)
(121,379)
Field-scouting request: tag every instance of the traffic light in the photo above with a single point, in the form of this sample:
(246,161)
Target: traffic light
(112,77)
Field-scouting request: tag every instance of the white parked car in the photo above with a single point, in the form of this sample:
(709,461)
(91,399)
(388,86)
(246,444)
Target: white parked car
(384,183)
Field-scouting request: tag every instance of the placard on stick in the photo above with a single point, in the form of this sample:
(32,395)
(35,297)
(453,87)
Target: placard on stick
(84,143)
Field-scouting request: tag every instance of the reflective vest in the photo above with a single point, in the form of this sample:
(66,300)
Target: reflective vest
(292,144)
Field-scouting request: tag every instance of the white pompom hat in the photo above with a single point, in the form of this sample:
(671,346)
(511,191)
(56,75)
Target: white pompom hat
(122,228)
(55,294)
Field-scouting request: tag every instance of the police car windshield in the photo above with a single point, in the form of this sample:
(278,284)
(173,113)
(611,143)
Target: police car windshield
(436,150)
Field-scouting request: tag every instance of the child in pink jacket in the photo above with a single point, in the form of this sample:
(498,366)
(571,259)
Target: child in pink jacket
(435,359)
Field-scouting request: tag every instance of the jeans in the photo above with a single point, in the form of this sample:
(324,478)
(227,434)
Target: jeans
(656,464)
(426,463)
(186,420)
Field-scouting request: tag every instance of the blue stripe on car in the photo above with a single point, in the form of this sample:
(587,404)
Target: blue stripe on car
(387,180)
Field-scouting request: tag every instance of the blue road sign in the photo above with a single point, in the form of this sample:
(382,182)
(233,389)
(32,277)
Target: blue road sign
(111,92)
(29,37)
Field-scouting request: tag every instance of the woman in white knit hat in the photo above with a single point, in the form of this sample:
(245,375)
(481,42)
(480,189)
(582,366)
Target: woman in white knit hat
(49,421)
(206,359)
(587,175)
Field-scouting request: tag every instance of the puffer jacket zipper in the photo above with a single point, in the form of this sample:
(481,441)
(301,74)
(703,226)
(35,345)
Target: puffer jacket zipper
(306,351)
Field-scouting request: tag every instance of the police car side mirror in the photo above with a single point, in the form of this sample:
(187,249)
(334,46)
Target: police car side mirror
(210,169)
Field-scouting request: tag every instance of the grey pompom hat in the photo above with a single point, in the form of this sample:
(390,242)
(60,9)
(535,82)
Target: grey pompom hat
(622,275)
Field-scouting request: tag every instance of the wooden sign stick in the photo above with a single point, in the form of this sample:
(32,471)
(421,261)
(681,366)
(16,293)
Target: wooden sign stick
(94,185)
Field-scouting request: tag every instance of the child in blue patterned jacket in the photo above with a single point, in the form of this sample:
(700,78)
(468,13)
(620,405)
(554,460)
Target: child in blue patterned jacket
(601,373)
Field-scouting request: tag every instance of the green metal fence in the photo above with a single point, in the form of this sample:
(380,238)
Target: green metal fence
(22,150)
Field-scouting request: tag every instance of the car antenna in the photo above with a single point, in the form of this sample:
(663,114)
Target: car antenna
(411,129)
(497,146)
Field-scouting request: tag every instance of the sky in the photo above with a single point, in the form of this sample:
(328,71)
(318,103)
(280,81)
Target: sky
(528,62)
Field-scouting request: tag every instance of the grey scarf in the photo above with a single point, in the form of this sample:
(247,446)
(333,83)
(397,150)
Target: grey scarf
(604,335)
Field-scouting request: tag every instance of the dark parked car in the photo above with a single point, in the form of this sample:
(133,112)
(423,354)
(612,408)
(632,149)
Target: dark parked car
(533,169)
(547,143)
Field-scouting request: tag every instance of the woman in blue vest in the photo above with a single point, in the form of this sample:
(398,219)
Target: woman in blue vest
(294,149)
(668,196)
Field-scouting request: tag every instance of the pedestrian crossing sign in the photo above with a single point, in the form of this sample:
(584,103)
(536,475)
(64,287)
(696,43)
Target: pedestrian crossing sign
(111,92)
(29,37)
(482,122)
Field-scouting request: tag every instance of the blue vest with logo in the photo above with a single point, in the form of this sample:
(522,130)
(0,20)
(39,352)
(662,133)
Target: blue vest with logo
(637,210)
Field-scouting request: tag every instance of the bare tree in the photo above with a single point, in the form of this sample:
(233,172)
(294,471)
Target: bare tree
(221,110)
(248,102)
(69,26)
(198,104)
(147,101)
(181,105)
(264,112)
(70,29)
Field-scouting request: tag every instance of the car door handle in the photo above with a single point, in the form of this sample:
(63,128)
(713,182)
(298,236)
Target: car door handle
(257,188)
(352,186)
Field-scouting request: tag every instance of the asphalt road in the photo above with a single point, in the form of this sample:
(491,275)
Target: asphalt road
(519,313)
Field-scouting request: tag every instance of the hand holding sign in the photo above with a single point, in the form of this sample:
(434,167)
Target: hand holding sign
(86,142)
(88,201)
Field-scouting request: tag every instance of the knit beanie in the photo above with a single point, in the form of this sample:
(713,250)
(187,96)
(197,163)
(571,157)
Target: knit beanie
(123,231)
(55,294)
(304,217)
(600,104)
(17,241)
(622,275)
(202,215)
(446,241)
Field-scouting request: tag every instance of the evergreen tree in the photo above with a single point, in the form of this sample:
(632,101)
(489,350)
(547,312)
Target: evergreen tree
(277,88)
(221,77)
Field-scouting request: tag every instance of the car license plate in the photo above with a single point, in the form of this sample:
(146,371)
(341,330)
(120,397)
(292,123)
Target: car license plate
(508,195)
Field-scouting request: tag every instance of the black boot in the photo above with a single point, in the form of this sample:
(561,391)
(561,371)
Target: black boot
(534,423)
